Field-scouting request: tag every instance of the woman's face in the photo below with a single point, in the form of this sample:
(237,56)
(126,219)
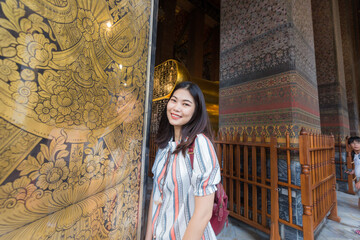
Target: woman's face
(180,108)
(355,145)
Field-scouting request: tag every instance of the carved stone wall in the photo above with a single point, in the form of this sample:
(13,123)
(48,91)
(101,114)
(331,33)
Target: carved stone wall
(72,80)
(267,67)
(330,68)
(348,37)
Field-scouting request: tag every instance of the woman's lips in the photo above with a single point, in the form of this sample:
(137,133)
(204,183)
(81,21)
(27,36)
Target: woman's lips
(175,117)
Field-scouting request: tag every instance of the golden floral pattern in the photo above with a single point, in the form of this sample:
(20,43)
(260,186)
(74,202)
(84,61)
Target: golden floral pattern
(24,92)
(8,71)
(64,100)
(73,75)
(34,49)
(92,115)
(87,25)
(74,175)
(91,166)
(45,111)
(52,175)
(19,190)
(74,63)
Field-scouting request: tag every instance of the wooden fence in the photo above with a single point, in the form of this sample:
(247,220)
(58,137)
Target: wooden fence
(318,180)
(249,182)
(249,171)
(343,165)
(350,165)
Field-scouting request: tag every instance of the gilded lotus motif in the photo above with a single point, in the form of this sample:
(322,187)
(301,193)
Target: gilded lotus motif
(74,118)
(8,71)
(74,175)
(45,111)
(88,25)
(91,166)
(24,92)
(19,190)
(64,100)
(34,49)
(52,174)
(92,115)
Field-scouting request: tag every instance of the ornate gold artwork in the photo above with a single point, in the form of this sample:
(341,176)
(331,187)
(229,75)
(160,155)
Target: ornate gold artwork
(72,79)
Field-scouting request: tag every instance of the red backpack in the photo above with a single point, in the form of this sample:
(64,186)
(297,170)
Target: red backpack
(220,212)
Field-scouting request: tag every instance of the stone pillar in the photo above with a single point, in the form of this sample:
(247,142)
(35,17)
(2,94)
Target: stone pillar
(356,13)
(268,79)
(347,24)
(166,31)
(330,68)
(347,18)
(214,71)
(196,43)
(267,67)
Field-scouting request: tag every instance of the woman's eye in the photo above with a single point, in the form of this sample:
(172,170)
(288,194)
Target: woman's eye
(186,104)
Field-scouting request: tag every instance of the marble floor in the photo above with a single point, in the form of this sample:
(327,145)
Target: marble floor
(347,211)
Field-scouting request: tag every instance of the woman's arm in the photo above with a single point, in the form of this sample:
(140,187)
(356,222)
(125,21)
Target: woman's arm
(348,172)
(149,232)
(201,217)
(357,185)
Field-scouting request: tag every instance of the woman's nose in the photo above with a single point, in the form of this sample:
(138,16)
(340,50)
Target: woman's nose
(177,107)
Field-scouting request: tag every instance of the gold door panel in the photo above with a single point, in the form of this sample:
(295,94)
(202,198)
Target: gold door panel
(72,90)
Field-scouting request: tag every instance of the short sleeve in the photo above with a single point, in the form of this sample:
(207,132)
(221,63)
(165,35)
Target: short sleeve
(159,155)
(357,165)
(206,169)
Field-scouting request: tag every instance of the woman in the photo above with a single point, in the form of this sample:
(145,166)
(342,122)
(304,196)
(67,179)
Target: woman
(183,195)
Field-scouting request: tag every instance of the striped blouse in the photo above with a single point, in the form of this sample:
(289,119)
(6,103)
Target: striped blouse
(172,212)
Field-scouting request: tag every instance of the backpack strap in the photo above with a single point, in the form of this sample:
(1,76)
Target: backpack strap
(191,153)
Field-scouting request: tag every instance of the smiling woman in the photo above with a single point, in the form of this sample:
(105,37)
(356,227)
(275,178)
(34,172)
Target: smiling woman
(189,190)
(180,109)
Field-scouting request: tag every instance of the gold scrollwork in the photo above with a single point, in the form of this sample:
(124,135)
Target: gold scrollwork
(72,86)
(55,87)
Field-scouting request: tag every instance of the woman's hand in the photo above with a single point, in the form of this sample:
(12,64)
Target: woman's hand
(357,185)
(348,172)
(200,218)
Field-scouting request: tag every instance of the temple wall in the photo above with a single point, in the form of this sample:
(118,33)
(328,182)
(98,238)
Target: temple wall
(73,99)
(330,68)
(267,67)
(350,55)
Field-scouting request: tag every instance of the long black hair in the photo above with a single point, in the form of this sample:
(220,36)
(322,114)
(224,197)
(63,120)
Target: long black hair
(199,122)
